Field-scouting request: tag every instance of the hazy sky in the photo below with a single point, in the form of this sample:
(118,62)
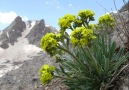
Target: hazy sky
(50,10)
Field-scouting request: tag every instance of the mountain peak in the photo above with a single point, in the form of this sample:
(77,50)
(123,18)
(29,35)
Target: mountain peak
(32,30)
(124,7)
(42,20)
(18,19)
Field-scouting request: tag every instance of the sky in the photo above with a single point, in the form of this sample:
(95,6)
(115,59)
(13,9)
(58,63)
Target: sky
(51,10)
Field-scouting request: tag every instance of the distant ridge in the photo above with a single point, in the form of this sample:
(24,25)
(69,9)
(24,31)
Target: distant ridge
(36,29)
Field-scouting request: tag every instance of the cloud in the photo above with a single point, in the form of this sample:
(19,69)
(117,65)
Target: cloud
(8,17)
(24,18)
(53,3)
(70,5)
(46,2)
(58,7)
(111,12)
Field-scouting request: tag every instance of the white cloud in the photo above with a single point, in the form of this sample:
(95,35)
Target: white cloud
(58,7)
(46,2)
(111,12)
(24,18)
(54,3)
(70,5)
(8,17)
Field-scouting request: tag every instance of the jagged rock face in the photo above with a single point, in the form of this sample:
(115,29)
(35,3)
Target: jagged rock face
(20,54)
(38,31)
(120,34)
(124,7)
(12,32)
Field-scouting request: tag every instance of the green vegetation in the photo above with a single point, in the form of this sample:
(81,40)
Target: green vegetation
(46,73)
(87,58)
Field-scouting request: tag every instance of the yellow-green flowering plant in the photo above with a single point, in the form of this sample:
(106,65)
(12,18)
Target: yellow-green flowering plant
(106,19)
(81,36)
(46,73)
(87,61)
(65,21)
(105,23)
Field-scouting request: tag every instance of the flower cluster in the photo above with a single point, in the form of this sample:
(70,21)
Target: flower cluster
(58,36)
(48,43)
(77,23)
(92,26)
(65,21)
(46,73)
(82,65)
(81,36)
(86,14)
(106,19)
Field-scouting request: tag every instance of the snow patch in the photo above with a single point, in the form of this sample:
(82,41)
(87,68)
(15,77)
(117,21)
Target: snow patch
(9,67)
(111,12)
(33,24)
(1,32)
(7,34)
(0,43)
(1,51)
(30,24)
(19,52)
(47,25)
(31,49)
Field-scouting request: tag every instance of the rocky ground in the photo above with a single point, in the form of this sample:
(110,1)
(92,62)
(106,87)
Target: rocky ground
(21,57)
(27,78)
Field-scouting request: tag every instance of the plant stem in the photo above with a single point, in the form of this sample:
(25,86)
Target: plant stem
(71,55)
(108,84)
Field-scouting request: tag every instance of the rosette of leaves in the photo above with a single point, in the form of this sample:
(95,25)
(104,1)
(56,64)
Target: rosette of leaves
(84,66)
(91,68)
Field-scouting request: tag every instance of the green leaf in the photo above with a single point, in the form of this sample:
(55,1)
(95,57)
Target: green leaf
(62,69)
(119,54)
(121,60)
(112,50)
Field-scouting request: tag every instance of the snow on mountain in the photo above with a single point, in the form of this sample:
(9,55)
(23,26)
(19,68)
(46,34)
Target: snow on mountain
(1,32)
(47,25)
(22,43)
(21,55)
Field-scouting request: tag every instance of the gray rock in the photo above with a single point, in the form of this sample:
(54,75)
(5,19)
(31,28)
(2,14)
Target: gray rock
(124,7)
(12,32)
(26,77)
(120,34)
(38,31)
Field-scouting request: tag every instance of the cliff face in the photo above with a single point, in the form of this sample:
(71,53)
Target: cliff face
(20,54)
(12,32)
(36,30)
(124,7)
(120,35)
(121,31)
